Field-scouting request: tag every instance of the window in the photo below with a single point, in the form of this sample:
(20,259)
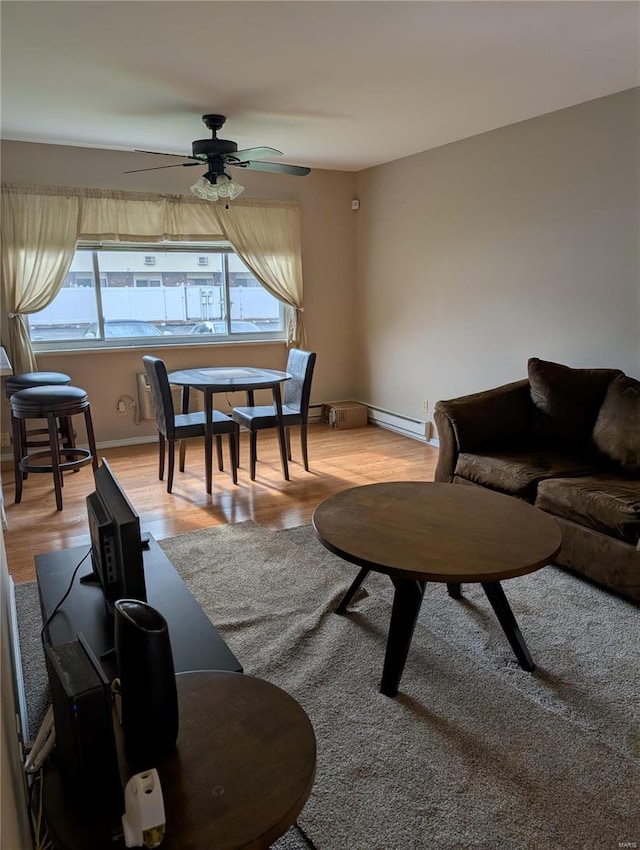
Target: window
(181,302)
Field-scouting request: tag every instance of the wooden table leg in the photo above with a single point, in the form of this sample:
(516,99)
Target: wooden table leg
(499,603)
(250,398)
(406,606)
(208,437)
(454,591)
(277,400)
(183,443)
(346,599)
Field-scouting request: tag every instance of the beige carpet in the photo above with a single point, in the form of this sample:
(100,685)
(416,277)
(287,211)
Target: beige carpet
(474,752)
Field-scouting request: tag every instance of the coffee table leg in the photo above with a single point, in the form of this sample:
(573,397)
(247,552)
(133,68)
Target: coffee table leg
(499,603)
(346,599)
(454,591)
(406,605)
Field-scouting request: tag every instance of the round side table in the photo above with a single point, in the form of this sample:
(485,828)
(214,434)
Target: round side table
(239,775)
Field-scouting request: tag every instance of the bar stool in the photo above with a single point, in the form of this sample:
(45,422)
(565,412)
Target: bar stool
(52,403)
(33,437)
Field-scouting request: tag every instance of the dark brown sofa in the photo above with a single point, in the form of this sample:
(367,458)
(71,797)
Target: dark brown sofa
(568,441)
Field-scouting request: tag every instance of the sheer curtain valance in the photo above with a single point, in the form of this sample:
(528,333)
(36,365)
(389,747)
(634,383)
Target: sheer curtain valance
(41,226)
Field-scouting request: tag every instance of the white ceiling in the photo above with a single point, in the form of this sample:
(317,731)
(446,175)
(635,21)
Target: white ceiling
(335,85)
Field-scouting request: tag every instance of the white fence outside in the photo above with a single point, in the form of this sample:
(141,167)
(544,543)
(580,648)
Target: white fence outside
(76,305)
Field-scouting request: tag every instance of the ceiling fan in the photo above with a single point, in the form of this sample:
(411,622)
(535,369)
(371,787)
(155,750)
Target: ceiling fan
(217,154)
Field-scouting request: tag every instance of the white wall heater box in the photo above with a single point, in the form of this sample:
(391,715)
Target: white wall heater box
(145,403)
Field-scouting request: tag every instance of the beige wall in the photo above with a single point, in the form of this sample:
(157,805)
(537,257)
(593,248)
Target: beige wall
(470,258)
(328,246)
(520,242)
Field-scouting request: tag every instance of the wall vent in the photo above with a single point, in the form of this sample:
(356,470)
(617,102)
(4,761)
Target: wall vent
(145,404)
(149,261)
(203,261)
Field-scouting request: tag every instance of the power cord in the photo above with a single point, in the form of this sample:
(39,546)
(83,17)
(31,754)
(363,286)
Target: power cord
(229,402)
(66,593)
(41,838)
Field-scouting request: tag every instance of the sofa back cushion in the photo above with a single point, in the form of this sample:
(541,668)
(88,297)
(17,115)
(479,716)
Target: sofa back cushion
(566,402)
(616,433)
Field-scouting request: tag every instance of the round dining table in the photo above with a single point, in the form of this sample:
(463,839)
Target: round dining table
(226,379)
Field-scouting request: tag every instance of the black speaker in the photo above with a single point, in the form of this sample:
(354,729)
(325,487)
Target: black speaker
(85,748)
(148,690)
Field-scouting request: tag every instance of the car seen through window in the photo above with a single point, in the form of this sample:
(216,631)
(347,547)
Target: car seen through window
(123,328)
(237,327)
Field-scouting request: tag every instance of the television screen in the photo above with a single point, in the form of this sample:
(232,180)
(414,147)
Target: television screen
(116,544)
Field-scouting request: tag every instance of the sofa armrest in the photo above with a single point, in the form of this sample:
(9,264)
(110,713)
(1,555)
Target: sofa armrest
(496,418)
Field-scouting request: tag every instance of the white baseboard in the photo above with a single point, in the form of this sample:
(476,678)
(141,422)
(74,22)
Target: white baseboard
(397,422)
(17,660)
(417,429)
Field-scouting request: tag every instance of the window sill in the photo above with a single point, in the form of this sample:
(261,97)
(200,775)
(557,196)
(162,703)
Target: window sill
(106,349)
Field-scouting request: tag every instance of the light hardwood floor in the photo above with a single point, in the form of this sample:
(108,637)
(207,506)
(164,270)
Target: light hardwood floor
(337,459)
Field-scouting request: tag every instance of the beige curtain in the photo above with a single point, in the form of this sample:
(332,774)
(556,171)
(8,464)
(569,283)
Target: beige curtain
(132,217)
(267,237)
(41,225)
(39,234)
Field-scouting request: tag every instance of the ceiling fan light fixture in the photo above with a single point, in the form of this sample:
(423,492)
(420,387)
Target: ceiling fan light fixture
(203,189)
(223,187)
(228,188)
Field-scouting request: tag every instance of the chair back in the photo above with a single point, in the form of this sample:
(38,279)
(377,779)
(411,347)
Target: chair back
(297,390)
(160,395)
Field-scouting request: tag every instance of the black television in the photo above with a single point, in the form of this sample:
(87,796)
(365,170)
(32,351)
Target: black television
(116,543)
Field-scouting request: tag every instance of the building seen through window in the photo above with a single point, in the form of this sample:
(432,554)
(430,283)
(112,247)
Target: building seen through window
(143,293)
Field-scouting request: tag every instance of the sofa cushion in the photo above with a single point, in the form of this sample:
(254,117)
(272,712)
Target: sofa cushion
(606,503)
(518,473)
(616,434)
(566,402)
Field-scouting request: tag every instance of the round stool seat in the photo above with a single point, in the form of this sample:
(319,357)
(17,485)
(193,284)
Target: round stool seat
(15,383)
(35,402)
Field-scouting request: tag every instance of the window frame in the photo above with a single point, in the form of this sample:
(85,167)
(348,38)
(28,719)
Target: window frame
(169,340)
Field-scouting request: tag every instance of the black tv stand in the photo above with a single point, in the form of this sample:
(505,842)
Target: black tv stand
(195,643)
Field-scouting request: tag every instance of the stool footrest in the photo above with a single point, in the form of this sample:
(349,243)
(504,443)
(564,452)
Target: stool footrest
(79,457)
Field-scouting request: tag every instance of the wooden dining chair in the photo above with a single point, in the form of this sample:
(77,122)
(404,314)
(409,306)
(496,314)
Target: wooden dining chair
(295,408)
(173,427)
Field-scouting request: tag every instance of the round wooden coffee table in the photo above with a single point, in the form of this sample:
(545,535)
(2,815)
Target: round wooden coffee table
(419,531)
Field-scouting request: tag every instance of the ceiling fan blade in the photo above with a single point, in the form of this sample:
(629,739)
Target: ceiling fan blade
(279,167)
(254,153)
(157,167)
(162,153)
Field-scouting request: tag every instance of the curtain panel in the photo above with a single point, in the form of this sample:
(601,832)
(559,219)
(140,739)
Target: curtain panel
(39,234)
(41,226)
(268,240)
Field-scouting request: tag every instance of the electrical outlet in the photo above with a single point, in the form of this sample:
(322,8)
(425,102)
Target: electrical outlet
(425,405)
(5,439)
(122,408)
